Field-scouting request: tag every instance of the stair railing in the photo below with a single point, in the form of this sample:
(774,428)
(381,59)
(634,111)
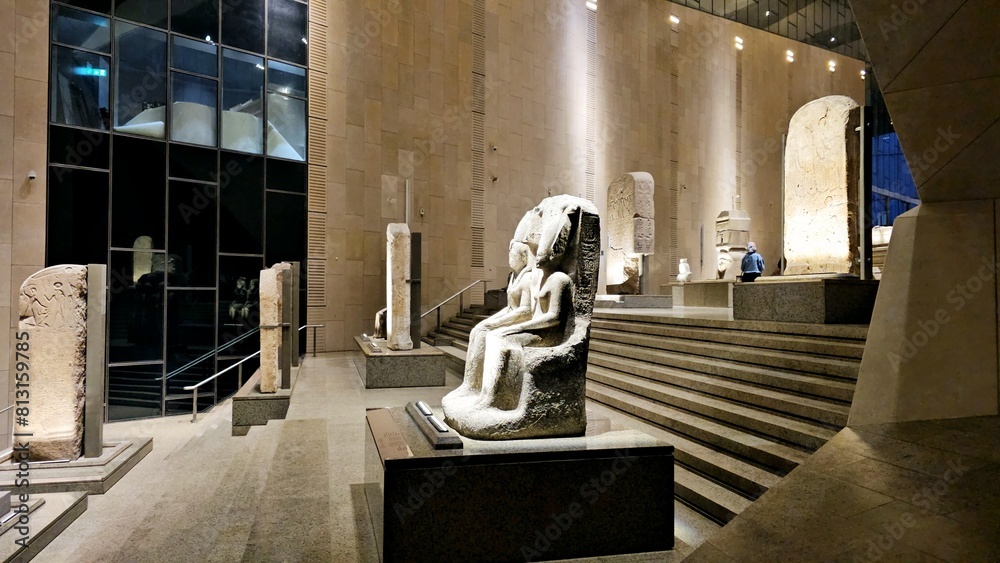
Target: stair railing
(238,365)
(461,301)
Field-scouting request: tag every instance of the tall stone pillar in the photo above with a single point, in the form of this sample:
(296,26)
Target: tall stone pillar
(630,230)
(397,286)
(270,320)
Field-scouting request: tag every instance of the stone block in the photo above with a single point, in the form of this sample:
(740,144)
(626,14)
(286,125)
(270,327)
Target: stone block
(420,367)
(818,300)
(711,293)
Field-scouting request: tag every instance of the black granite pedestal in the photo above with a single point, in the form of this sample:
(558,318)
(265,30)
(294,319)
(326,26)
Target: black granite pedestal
(608,493)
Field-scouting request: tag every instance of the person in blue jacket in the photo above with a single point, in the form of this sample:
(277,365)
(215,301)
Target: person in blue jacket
(753,264)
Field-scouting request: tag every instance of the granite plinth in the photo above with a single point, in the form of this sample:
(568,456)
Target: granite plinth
(251,407)
(633,302)
(89,475)
(48,514)
(420,367)
(605,493)
(830,300)
(706,293)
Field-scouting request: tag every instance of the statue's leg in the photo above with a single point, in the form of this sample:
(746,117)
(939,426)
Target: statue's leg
(473,378)
(504,369)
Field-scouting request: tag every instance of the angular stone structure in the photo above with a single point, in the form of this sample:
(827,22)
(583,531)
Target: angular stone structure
(821,188)
(53,319)
(732,234)
(270,316)
(525,371)
(397,287)
(630,230)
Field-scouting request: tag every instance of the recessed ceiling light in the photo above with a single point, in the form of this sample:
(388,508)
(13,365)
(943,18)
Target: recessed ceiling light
(675,20)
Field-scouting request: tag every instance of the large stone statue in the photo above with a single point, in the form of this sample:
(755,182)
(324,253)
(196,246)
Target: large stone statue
(630,230)
(270,316)
(397,287)
(821,188)
(52,342)
(732,234)
(525,370)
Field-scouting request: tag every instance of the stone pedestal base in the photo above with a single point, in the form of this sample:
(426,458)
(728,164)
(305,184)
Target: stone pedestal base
(633,302)
(420,367)
(90,475)
(253,408)
(805,299)
(606,493)
(707,293)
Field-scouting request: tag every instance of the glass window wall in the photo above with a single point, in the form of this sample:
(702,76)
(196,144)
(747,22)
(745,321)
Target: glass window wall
(242,102)
(140,81)
(193,109)
(286,30)
(79,88)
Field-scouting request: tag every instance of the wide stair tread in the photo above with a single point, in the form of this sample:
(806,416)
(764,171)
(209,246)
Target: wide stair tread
(713,499)
(454,333)
(767,452)
(761,397)
(809,384)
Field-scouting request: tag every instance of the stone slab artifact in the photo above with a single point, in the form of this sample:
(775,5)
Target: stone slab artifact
(732,235)
(630,230)
(397,287)
(526,365)
(53,321)
(270,316)
(821,188)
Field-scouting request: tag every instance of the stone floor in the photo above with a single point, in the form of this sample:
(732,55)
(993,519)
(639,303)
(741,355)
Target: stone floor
(913,492)
(289,491)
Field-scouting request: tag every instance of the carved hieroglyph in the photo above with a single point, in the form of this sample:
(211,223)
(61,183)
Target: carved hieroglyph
(821,195)
(525,370)
(630,230)
(53,312)
(397,287)
(270,315)
(732,235)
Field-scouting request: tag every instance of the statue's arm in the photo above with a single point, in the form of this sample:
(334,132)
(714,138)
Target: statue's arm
(552,293)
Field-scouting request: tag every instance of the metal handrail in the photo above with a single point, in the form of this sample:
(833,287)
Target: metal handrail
(461,303)
(210,354)
(314,327)
(7,408)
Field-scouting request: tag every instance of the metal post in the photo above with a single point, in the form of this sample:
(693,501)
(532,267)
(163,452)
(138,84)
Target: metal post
(194,402)
(285,357)
(96,367)
(294,306)
(439,317)
(461,303)
(314,340)
(239,374)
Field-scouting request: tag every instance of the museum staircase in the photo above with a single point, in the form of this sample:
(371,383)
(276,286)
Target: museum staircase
(742,402)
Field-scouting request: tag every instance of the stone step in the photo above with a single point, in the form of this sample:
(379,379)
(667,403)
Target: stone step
(847,349)
(435,338)
(715,500)
(463,323)
(855,333)
(461,345)
(780,428)
(804,384)
(758,449)
(834,414)
(835,367)
(454,333)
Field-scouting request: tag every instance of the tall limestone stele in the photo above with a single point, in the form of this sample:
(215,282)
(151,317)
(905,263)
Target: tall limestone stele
(821,188)
(630,230)
(271,315)
(397,287)
(526,367)
(52,308)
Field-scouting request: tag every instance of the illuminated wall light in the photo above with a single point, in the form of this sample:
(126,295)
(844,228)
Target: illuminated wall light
(675,20)
(790,56)
(864,74)
(739,43)
(832,66)
(592,6)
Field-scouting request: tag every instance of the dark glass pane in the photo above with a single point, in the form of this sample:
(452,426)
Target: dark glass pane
(192,118)
(241,218)
(135,306)
(286,231)
(190,335)
(102,6)
(152,12)
(194,56)
(134,391)
(191,235)
(81,29)
(286,79)
(141,81)
(239,311)
(242,102)
(243,24)
(196,18)
(79,147)
(138,194)
(287,136)
(287,176)
(193,163)
(78,87)
(77,217)
(286,30)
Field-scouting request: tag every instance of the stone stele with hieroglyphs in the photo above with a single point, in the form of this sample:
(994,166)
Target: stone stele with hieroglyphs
(53,322)
(821,188)
(631,225)
(397,257)
(270,316)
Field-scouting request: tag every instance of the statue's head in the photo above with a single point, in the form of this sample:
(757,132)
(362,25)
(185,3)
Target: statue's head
(725,260)
(241,282)
(519,255)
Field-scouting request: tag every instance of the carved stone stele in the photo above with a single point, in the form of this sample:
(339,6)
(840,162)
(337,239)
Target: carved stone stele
(630,230)
(397,287)
(53,315)
(270,315)
(821,188)
(525,370)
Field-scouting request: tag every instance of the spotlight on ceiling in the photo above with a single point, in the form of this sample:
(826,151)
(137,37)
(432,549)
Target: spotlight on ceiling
(833,40)
(864,74)
(674,19)
(767,14)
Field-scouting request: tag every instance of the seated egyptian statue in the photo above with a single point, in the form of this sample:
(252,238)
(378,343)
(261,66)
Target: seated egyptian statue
(525,371)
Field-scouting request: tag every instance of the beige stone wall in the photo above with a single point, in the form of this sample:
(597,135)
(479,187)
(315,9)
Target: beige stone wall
(24,35)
